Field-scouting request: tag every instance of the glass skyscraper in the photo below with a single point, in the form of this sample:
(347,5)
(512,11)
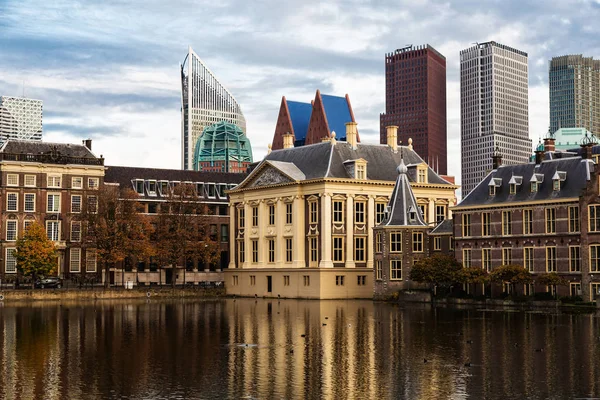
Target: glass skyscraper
(20,118)
(204,102)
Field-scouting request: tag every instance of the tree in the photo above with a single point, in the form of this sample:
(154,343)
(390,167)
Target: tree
(511,274)
(35,253)
(553,280)
(114,226)
(439,270)
(473,275)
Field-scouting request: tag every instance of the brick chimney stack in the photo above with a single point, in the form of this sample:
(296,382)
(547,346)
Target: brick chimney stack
(392,137)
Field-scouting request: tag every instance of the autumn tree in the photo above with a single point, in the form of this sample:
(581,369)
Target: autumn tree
(35,253)
(511,275)
(472,275)
(552,279)
(439,270)
(183,230)
(115,226)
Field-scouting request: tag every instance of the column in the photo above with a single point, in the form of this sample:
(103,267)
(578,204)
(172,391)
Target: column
(325,231)
(232,238)
(370,225)
(279,239)
(431,211)
(263,228)
(247,243)
(350,231)
(298,226)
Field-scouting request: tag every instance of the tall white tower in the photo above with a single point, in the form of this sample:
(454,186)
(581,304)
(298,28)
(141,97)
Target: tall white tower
(204,101)
(494,109)
(20,118)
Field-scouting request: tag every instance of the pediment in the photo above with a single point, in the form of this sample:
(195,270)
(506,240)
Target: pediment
(269,176)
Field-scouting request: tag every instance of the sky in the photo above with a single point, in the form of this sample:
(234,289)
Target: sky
(109,69)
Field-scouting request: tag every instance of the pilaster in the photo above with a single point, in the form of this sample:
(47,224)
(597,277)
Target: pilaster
(325,214)
(370,226)
(350,232)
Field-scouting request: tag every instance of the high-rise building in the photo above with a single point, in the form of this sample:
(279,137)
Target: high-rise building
(494,109)
(204,102)
(415,101)
(223,147)
(574,93)
(20,118)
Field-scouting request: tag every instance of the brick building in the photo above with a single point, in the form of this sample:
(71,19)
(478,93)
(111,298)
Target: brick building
(415,100)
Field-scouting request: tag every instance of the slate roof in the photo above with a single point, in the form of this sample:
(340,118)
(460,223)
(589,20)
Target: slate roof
(337,111)
(446,227)
(577,175)
(402,208)
(35,147)
(326,160)
(300,117)
(289,169)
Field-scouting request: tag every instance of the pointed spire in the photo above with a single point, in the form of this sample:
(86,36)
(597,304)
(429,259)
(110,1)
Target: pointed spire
(402,209)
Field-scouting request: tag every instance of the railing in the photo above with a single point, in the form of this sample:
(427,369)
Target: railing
(53,158)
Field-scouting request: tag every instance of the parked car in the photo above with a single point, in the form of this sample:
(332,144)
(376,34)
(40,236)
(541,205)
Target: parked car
(49,282)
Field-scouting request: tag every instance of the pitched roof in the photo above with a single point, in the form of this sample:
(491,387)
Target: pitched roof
(36,147)
(300,117)
(337,112)
(577,175)
(402,208)
(443,228)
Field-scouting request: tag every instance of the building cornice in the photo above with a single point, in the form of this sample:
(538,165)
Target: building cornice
(519,204)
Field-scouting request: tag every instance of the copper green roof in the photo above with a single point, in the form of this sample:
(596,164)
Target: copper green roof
(221,142)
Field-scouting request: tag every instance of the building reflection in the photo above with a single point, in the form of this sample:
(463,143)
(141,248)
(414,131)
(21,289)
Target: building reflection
(293,349)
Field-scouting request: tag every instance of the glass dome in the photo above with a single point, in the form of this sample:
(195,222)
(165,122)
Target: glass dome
(222,147)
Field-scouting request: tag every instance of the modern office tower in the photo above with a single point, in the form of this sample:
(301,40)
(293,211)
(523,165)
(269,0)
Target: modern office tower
(20,118)
(204,101)
(493,109)
(574,93)
(415,101)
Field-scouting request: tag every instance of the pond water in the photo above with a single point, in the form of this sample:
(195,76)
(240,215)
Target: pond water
(269,349)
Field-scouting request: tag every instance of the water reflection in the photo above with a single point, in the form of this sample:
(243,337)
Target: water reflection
(293,349)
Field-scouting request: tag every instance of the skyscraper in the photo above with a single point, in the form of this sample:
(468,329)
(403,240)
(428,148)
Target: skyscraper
(415,101)
(204,101)
(494,109)
(574,93)
(20,118)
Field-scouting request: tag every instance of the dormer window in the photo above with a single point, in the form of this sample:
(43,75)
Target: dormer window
(356,169)
(558,177)
(361,171)
(535,181)
(556,185)
(534,187)
(513,188)
(421,175)
(494,183)
(138,185)
(514,182)
(492,190)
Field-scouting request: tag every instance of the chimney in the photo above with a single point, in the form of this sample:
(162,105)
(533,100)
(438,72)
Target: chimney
(88,143)
(351,133)
(392,137)
(539,153)
(496,158)
(587,144)
(549,142)
(288,141)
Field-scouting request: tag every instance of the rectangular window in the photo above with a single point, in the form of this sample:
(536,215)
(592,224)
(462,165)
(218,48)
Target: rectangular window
(395,270)
(506,223)
(360,172)
(224,233)
(235,280)
(492,190)
(241,251)
(422,176)
(288,250)
(254,251)
(75,255)
(361,280)
(378,269)
(556,184)
(440,213)
(594,258)
(288,213)
(76,204)
(513,188)
(53,204)
(359,249)
(595,290)
(423,209)
(152,188)
(534,187)
(574,259)
(486,224)
(339,280)
(11,262)
(338,212)
(467,258)
(138,185)
(30,180)
(550,220)
(528,258)
(466,225)
(271,250)
(417,242)
(379,212)
(395,242)
(241,218)
(92,204)
(271,214)
(12,179)
(314,249)
(527,221)
(77,182)
(306,280)
(90,260)
(75,231)
(486,259)
(506,256)
(53,181)
(338,249)
(27,223)
(574,219)
(286,280)
(11,230)
(314,212)
(29,202)
(575,289)
(359,212)
(93,183)
(53,230)
(378,242)
(12,201)
(594,218)
(551,259)
(437,243)
(252,280)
